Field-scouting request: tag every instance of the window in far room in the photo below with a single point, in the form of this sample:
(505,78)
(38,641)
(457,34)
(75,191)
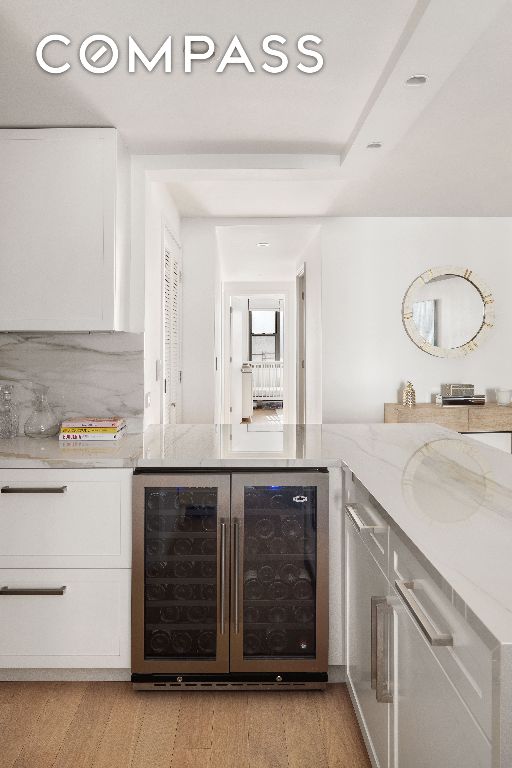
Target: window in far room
(264,335)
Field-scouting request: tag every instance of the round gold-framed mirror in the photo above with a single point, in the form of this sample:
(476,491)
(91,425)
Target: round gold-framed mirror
(447,311)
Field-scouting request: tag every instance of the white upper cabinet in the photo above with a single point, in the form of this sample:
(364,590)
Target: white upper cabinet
(64,230)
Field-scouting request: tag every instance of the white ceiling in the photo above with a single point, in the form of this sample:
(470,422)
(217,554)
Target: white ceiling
(446,146)
(241,260)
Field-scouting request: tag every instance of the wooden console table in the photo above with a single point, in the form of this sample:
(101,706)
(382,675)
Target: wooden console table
(461,418)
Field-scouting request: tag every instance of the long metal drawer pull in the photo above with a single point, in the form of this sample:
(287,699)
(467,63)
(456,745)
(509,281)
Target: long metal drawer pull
(383,694)
(35,489)
(352,513)
(236,528)
(222,575)
(32,591)
(375,601)
(405,589)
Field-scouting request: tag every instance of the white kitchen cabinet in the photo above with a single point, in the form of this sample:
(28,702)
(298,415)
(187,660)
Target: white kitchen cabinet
(65,528)
(420,676)
(64,230)
(65,518)
(432,724)
(367,587)
(86,624)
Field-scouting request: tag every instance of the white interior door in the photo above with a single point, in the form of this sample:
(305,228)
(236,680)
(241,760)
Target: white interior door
(172,314)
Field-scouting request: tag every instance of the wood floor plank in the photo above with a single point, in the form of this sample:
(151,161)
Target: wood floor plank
(266,747)
(192,758)
(195,720)
(87,727)
(46,738)
(229,730)
(21,715)
(156,737)
(117,746)
(341,734)
(7,693)
(304,742)
(108,725)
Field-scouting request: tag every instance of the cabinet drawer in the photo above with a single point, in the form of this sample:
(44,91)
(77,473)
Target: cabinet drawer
(65,518)
(364,513)
(86,626)
(491,418)
(468,661)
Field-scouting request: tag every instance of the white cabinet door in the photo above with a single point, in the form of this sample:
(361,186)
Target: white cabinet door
(88,625)
(365,581)
(65,518)
(433,726)
(58,229)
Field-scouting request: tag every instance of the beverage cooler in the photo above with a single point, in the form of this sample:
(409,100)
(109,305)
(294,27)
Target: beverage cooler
(230,580)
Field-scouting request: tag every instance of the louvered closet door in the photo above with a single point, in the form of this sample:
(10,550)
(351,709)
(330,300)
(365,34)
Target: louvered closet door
(172,330)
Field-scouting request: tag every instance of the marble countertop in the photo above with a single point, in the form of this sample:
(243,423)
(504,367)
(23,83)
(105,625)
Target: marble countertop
(450,495)
(48,452)
(452,498)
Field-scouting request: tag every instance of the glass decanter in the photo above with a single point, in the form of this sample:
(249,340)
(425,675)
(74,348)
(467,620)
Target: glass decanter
(42,422)
(9,419)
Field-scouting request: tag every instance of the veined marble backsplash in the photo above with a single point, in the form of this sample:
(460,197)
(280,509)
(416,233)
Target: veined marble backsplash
(88,374)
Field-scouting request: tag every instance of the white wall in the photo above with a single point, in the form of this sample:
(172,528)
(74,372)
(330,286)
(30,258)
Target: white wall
(367,266)
(160,212)
(312,260)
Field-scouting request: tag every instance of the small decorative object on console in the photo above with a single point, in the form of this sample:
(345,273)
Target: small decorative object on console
(503,396)
(457,390)
(409,395)
(459,394)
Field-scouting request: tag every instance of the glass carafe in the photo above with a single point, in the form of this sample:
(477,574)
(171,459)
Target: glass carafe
(9,419)
(42,422)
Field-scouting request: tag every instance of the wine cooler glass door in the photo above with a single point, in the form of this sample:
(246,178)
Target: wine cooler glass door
(181,551)
(279,567)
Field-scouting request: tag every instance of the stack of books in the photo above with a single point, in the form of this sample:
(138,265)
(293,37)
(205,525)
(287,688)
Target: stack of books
(459,394)
(99,430)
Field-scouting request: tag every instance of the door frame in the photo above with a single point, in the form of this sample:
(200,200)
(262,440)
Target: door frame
(300,308)
(285,290)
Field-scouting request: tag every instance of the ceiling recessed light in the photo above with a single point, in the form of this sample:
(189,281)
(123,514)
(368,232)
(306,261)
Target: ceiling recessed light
(374,145)
(263,245)
(416,80)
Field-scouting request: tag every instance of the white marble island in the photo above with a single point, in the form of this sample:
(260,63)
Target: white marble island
(445,506)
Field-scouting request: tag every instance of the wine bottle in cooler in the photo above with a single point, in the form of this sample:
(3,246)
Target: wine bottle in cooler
(252,643)
(277,614)
(276,641)
(303,588)
(253,588)
(160,642)
(264,528)
(181,643)
(206,642)
(266,574)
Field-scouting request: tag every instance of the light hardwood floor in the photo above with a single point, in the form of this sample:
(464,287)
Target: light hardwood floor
(108,725)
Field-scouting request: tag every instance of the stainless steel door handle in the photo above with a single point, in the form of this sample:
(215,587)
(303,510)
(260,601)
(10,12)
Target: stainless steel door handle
(222,576)
(351,510)
(32,590)
(406,591)
(35,489)
(236,565)
(384,693)
(375,601)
